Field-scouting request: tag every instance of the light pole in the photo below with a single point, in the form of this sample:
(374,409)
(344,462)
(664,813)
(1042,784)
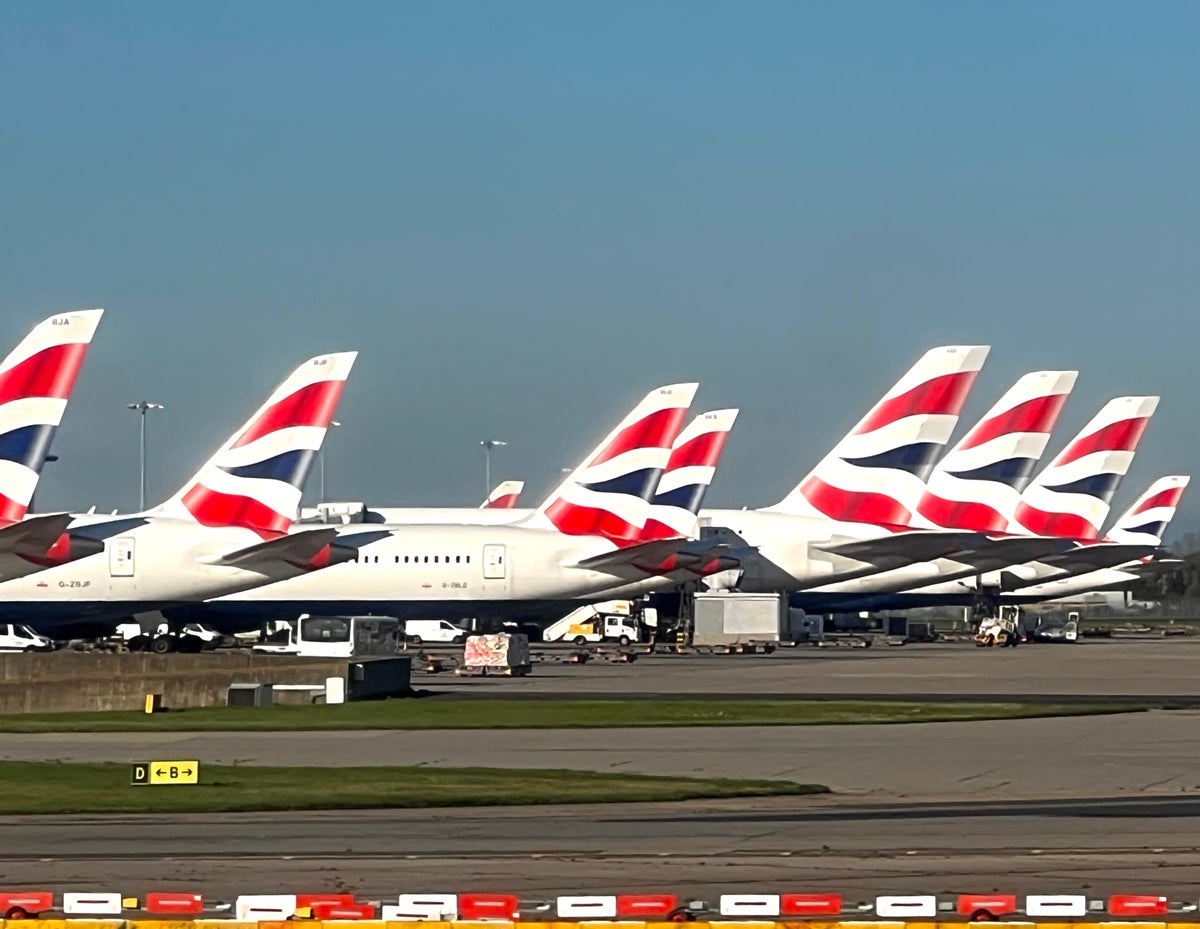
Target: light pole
(488,445)
(321,461)
(143,407)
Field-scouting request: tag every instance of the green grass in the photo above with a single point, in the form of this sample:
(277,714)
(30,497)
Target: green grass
(50,787)
(540,714)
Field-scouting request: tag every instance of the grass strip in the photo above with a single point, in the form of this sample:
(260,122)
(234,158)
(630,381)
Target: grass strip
(542,714)
(56,787)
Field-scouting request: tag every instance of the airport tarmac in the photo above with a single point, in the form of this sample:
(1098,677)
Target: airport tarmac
(1153,752)
(1092,668)
(697,849)
(932,807)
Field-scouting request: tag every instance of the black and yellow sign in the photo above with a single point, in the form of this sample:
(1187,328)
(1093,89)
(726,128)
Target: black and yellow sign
(164,772)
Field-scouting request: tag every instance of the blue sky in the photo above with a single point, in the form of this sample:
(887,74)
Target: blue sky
(524,215)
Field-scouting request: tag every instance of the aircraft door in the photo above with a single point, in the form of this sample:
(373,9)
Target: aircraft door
(495,569)
(120,557)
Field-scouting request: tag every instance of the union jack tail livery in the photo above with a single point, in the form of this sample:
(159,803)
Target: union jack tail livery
(254,481)
(504,496)
(609,494)
(877,473)
(978,483)
(1146,521)
(36,380)
(1070,498)
(690,470)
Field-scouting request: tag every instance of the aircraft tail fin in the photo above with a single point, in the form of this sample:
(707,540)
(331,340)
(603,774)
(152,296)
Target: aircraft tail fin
(503,496)
(36,380)
(978,483)
(608,495)
(1147,519)
(876,474)
(675,507)
(255,479)
(1070,497)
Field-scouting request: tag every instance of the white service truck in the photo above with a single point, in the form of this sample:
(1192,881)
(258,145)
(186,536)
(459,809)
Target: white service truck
(17,638)
(611,621)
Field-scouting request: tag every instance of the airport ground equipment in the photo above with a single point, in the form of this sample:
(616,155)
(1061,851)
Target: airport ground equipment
(622,621)
(1004,628)
(727,618)
(313,636)
(504,653)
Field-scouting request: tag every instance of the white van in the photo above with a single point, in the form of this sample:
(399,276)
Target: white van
(437,631)
(22,639)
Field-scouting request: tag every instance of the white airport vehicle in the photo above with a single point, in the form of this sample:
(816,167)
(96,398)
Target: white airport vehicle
(17,638)
(1004,628)
(611,621)
(313,636)
(433,631)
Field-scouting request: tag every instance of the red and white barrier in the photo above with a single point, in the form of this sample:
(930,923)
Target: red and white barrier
(1137,905)
(478,907)
(760,905)
(646,906)
(102,904)
(1056,905)
(173,904)
(810,904)
(25,903)
(416,907)
(914,907)
(992,904)
(586,907)
(258,907)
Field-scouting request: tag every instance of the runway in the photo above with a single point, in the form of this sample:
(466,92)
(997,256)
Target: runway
(1065,757)
(698,849)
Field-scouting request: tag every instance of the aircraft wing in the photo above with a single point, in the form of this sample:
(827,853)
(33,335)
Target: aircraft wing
(296,548)
(1005,552)
(657,557)
(1100,555)
(905,548)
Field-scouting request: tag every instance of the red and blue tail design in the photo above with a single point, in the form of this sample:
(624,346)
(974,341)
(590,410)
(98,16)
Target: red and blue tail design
(877,473)
(609,494)
(1146,521)
(689,473)
(503,496)
(255,479)
(1071,497)
(977,485)
(36,380)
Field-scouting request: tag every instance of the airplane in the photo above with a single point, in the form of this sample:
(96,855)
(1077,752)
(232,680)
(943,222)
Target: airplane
(589,535)
(977,485)
(226,529)
(36,381)
(849,517)
(1069,500)
(1138,532)
(503,496)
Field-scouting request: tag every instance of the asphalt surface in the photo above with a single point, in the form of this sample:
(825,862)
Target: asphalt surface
(1099,803)
(1107,669)
(697,849)
(1104,755)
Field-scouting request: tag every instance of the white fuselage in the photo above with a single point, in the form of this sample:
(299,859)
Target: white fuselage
(428,569)
(148,564)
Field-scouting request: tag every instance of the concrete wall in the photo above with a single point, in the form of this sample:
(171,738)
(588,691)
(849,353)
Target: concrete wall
(80,681)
